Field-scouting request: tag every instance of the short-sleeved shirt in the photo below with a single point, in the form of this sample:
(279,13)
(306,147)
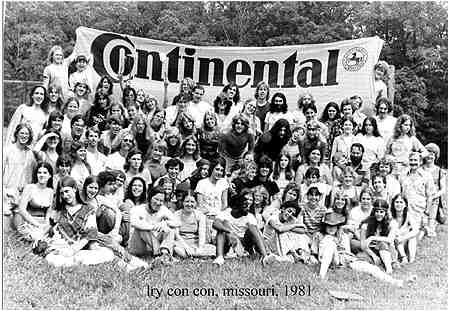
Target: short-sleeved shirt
(141,212)
(212,194)
(238,225)
(312,219)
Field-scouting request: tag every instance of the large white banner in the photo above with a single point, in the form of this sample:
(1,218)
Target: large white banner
(330,71)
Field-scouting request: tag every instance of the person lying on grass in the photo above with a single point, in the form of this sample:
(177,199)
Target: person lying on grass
(377,236)
(154,228)
(237,229)
(284,233)
(190,238)
(333,248)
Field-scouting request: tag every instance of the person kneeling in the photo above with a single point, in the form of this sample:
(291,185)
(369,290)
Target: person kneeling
(154,228)
(237,229)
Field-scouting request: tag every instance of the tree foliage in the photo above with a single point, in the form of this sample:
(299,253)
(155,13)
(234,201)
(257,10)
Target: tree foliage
(415,35)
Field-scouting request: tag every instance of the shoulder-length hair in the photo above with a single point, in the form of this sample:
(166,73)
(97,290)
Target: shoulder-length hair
(189,82)
(30,133)
(301,97)
(372,222)
(59,101)
(110,83)
(52,51)
(209,114)
(383,100)
(276,128)
(278,108)
(228,104)
(76,145)
(243,119)
(58,146)
(291,186)
(66,181)
(44,104)
(237,96)
(196,154)
(260,85)
(325,117)
(127,90)
(289,172)
(49,168)
(130,154)
(405,210)
(129,193)
(89,180)
(100,95)
(372,121)
(55,114)
(398,125)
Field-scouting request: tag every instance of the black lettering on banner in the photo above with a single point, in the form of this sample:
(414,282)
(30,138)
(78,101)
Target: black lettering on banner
(232,71)
(204,71)
(259,73)
(289,70)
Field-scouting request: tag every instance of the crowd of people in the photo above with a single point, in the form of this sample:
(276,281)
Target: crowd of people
(91,174)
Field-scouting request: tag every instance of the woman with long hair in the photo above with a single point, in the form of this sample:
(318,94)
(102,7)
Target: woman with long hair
(249,111)
(71,109)
(385,121)
(80,168)
(262,95)
(55,98)
(373,143)
(90,191)
(402,143)
(343,142)
(377,236)
(314,159)
(156,158)
(54,122)
(97,115)
(208,137)
(283,173)
(142,134)
(49,147)
(190,153)
(34,113)
(32,215)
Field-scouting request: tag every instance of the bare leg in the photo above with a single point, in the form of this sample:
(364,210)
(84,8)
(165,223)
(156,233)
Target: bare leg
(412,248)
(363,266)
(386,258)
(327,251)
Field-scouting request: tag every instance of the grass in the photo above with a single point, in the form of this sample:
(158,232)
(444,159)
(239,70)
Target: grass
(29,282)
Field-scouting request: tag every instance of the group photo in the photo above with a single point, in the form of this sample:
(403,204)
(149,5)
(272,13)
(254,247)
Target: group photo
(225,155)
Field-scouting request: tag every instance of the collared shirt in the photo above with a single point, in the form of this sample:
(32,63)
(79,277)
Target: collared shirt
(418,188)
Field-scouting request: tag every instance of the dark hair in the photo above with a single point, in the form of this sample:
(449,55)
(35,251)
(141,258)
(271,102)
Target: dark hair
(30,132)
(63,159)
(66,181)
(59,101)
(325,117)
(240,117)
(130,154)
(109,80)
(376,175)
(291,186)
(405,210)
(129,194)
(58,146)
(372,222)
(383,100)
(44,104)
(372,121)
(76,118)
(278,108)
(69,100)
(55,114)
(309,153)
(344,119)
(198,87)
(228,105)
(357,145)
(49,168)
(96,104)
(265,161)
(218,161)
(277,127)
(312,172)
(237,96)
(288,170)
(89,180)
(152,192)
(196,154)
(105,177)
(309,106)
(126,91)
(173,162)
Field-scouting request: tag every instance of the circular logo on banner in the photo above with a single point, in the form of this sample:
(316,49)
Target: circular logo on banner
(354,59)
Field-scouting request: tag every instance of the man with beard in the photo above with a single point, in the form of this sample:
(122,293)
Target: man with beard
(311,140)
(356,155)
(272,142)
(237,229)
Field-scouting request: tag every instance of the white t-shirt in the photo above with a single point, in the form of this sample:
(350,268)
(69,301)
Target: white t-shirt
(115,161)
(212,194)
(97,161)
(238,225)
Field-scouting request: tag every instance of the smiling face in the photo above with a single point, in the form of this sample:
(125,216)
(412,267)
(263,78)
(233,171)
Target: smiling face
(368,127)
(43,175)
(93,139)
(173,171)
(38,95)
(313,198)
(314,156)
(347,127)
(23,136)
(72,108)
(78,127)
(52,142)
(379,214)
(399,205)
(91,191)
(239,126)
(157,153)
(347,110)
(197,95)
(210,121)
(262,92)
(53,94)
(190,146)
(56,124)
(204,170)
(231,92)
(310,114)
(250,108)
(68,195)
(81,154)
(366,200)
(284,161)
(189,203)
(291,195)
(348,179)
(406,126)
(218,172)
(137,188)
(382,110)
(140,96)
(58,56)
(378,184)
(81,89)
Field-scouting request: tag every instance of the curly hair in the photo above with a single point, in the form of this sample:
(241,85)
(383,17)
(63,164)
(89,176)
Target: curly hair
(325,117)
(278,108)
(398,126)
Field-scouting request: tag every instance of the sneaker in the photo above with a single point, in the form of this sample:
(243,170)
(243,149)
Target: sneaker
(269,259)
(219,261)
(311,260)
(404,260)
(166,259)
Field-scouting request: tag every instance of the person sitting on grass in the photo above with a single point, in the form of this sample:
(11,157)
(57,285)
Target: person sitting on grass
(154,228)
(333,249)
(282,232)
(407,232)
(190,239)
(377,236)
(237,229)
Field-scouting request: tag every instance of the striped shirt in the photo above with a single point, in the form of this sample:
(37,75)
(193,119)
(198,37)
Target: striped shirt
(312,218)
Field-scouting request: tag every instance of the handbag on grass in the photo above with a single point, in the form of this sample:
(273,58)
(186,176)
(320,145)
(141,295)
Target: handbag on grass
(441,215)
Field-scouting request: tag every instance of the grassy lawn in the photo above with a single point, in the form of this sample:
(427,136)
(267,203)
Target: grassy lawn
(28,282)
